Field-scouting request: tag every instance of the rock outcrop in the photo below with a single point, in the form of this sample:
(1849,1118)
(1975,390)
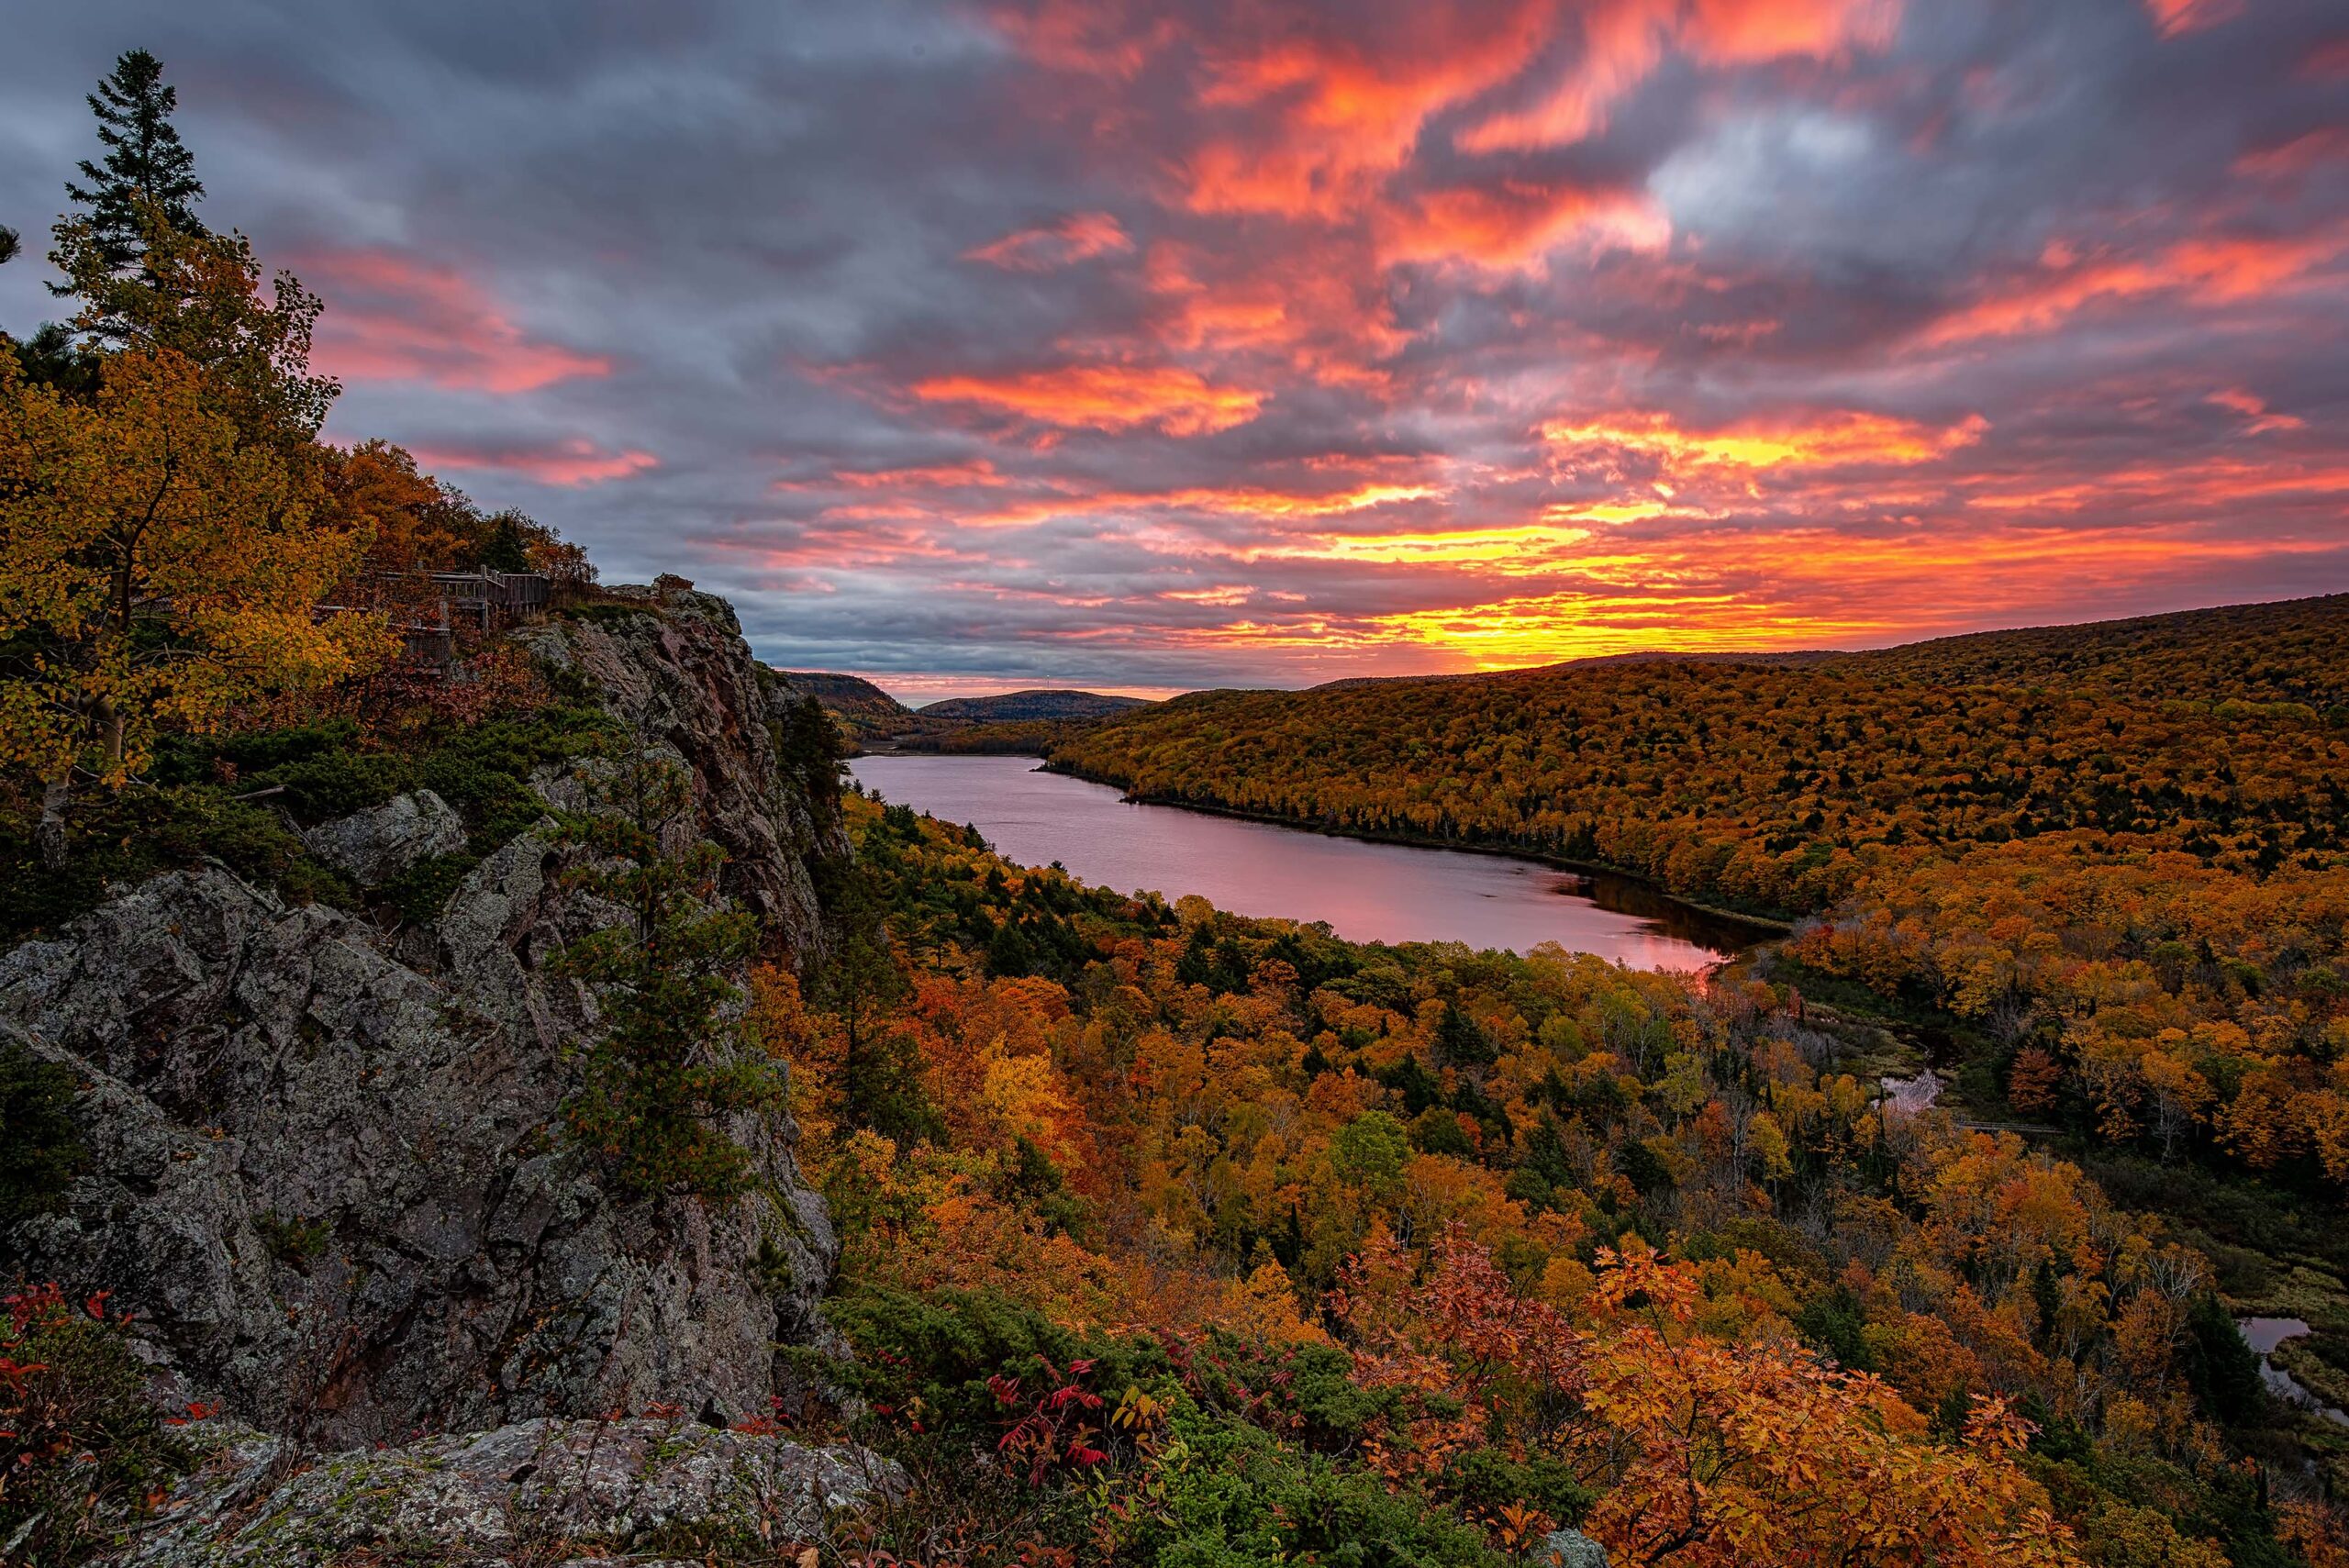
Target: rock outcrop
(374,846)
(1570,1549)
(534,1493)
(326,1168)
(680,676)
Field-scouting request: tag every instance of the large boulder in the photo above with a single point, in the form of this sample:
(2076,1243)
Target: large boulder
(527,1494)
(374,846)
(327,1169)
(1570,1549)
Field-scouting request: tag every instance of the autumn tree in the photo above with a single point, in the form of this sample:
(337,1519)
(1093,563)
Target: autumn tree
(147,175)
(156,569)
(201,296)
(1723,1454)
(671,1061)
(419,524)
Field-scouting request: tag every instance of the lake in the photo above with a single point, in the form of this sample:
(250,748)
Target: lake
(1366,892)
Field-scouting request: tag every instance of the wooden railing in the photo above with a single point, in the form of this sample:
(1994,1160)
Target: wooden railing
(429,609)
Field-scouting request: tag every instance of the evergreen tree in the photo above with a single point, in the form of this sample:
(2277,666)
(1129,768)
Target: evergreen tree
(675,1060)
(9,244)
(147,175)
(503,549)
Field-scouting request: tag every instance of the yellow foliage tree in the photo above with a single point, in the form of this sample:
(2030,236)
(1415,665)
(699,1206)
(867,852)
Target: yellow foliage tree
(155,571)
(1724,1454)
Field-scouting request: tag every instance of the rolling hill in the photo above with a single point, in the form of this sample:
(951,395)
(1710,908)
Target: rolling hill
(1014,707)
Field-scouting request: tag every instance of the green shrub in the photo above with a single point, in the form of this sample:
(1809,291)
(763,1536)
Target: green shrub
(941,1348)
(142,830)
(419,894)
(190,811)
(1228,1493)
(1486,1480)
(1247,1458)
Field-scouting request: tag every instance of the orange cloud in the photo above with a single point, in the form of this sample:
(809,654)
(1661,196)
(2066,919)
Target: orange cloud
(1516,222)
(2255,409)
(1331,322)
(392,319)
(1103,398)
(1841,440)
(981,474)
(569,464)
(1076,237)
(1623,41)
(1239,501)
(1094,38)
(2209,271)
(2172,17)
(1346,103)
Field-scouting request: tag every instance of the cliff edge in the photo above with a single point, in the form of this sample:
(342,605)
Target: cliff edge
(326,1170)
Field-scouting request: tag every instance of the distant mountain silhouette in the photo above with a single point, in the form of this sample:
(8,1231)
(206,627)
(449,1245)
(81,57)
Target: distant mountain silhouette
(1012,708)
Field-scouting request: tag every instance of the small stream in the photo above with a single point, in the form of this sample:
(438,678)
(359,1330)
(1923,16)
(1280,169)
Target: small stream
(2262,1335)
(1908,1096)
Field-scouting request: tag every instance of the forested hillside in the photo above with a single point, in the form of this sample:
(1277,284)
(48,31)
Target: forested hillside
(865,714)
(846,696)
(1013,707)
(2285,652)
(2115,855)
(1362,1241)
(1021,723)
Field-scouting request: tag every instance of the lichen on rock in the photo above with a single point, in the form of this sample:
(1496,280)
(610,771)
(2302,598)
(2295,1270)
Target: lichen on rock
(374,846)
(524,1492)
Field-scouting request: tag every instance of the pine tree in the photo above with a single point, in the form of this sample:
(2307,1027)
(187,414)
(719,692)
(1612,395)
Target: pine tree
(147,170)
(9,244)
(675,1062)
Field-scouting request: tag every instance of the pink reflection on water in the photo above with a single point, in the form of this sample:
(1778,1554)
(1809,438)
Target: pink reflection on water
(1366,892)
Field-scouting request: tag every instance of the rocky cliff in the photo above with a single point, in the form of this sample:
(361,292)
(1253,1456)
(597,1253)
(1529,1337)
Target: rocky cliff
(324,1169)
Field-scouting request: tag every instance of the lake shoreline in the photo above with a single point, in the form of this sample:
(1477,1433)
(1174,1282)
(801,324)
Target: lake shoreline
(1365,889)
(1421,842)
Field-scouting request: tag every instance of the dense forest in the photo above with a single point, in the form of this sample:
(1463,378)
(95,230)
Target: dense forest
(2112,856)
(1513,1241)
(1173,1237)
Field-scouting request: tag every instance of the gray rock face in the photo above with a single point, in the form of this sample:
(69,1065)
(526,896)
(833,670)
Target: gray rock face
(376,845)
(1571,1549)
(327,1169)
(681,676)
(521,1493)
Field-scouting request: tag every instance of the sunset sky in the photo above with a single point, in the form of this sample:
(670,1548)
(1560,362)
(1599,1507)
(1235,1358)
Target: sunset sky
(1151,346)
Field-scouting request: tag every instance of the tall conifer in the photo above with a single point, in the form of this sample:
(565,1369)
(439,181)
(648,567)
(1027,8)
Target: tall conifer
(147,167)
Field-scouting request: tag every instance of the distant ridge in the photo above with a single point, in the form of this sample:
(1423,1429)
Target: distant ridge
(1013,708)
(1021,722)
(1659,656)
(2248,645)
(845,693)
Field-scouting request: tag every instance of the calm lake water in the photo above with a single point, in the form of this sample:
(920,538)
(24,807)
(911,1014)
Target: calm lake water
(1366,892)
